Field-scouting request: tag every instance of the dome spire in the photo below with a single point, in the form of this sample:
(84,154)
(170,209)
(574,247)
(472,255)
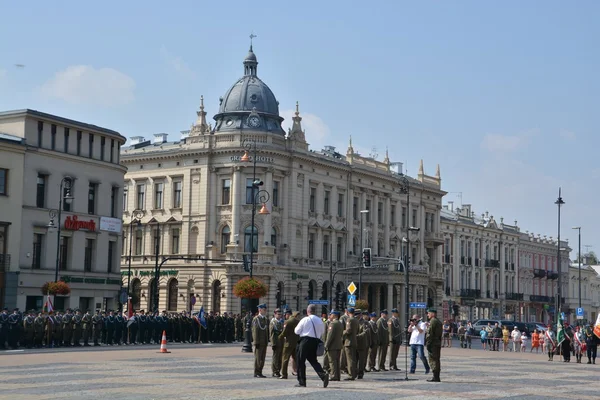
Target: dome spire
(200,127)
(250,62)
(350,148)
(296,130)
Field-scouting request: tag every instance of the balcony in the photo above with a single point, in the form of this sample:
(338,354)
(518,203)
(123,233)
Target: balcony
(492,264)
(514,296)
(552,275)
(491,294)
(435,238)
(474,293)
(4,262)
(539,273)
(541,299)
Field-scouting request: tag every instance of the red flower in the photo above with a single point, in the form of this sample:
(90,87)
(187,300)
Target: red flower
(60,288)
(248,288)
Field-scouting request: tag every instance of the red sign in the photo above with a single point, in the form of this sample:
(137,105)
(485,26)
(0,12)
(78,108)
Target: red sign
(73,224)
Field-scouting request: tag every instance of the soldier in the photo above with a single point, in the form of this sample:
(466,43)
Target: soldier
(326,362)
(104,327)
(275,329)
(110,327)
(260,338)
(67,327)
(40,329)
(374,343)
(142,327)
(14,320)
(395,333)
(49,328)
(239,328)
(383,338)
(98,324)
(77,328)
(363,342)
(343,361)
(334,344)
(133,327)
(4,329)
(350,344)
(86,327)
(291,341)
(119,327)
(29,329)
(58,329)
(433,341)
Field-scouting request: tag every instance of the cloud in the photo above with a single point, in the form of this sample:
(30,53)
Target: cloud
(567,135)
(316,129)
(84,84)
(177,63)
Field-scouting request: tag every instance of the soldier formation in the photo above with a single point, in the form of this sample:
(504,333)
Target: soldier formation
(73,328)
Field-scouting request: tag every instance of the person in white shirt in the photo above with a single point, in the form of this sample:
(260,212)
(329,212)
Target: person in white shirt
(310,329)
(417,329)
(516,338)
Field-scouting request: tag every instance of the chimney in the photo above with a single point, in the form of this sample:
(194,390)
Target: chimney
(160,138)
(451,205)
(136,140)
(185,134)
(466,210)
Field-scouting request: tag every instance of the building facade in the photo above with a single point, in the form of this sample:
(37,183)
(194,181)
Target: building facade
(589,297)
(83,160)
(196,198)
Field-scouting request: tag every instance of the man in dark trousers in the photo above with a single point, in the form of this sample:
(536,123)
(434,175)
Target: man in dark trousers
(310,329)
(433,342)
(290,341)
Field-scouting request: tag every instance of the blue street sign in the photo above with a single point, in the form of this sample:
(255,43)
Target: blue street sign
(579,312)
(320,302)
(351,300)
(418,305)
(562,316)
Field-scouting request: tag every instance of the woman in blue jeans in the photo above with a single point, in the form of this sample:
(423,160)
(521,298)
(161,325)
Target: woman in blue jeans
(417,330)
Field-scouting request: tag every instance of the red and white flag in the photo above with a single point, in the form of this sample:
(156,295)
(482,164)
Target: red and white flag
(48,305)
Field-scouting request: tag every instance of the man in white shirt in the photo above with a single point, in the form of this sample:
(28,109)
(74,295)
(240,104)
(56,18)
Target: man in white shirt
(310,329)
(417,330)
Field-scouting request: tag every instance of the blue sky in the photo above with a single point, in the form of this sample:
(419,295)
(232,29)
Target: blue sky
(504,95)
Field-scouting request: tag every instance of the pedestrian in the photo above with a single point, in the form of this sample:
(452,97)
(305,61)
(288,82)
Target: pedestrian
(433,341)
(383,339)
(550,342)
(505,337)
(578,343)
(350,344)
(417,330)
(374,345)
(310,329)
(483,334)
(535,341)
(516,338)
(260,338)
(591,342)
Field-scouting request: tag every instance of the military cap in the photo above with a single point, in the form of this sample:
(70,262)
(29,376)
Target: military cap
(365,312)
(277,310)
(31,311)
(357,311)
(335,312)
(394,310)
(16,309)
(262,306)
(373,314)
(350,310)
(164,311)
(384,311)
(295,313)
(288,311)
(432,310)
(5,309)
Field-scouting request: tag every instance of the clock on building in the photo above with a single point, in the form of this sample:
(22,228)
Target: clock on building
(253,121)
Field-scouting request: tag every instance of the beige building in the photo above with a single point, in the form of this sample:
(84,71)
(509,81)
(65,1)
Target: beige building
(198,192)
(590,292)
(49,151)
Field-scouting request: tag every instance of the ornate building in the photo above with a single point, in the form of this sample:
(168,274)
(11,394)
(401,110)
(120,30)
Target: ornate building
(198,192)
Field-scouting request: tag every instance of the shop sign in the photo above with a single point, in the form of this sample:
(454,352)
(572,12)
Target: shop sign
(261,159)
(114,225)
(298,276)
(98,281)
(73,223)
(171,272)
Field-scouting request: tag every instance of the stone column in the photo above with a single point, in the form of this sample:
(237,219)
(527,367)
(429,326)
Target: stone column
(236,209)
(376,222)
(387,223)
(390,297)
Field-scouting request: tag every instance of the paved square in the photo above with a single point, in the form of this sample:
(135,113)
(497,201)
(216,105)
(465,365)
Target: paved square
(224,372)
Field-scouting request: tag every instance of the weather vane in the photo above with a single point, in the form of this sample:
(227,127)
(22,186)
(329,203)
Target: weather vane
(252,36)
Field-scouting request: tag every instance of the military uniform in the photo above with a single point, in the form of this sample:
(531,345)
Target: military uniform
(77,328)
(40,329)
(383,337)
(260,339)
(3,329)
(275,329)
(28,327)
(67,328)
(86,327)
(374,345)
(58,330)
(350,344)
(291,342)
(119,327)
(97,323)
(343,361)
(362,347)
(334,345)
(395,333)
(433,342)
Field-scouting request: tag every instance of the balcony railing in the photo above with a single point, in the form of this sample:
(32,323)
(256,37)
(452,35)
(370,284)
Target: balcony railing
(514,296)
(539,273)
(491,294)
(492,264)
(474,293)
(541,299)
(4,262)
(552,275)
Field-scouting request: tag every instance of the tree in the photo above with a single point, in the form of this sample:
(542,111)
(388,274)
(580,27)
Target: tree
(589,258)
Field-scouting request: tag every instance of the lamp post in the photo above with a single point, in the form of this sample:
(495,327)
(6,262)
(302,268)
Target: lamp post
(156,266)
(362,245)
(136,216)
(559,202)
(579,243)
(405,188)
(65,185)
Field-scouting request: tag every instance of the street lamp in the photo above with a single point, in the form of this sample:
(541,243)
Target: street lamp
(362,245)
(136,217)
(64,195)
(559,202)
(579,236)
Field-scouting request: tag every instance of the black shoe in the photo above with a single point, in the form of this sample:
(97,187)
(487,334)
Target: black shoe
(300,385)
(276,375)
(325,380)
(359,377)
(349,379)
(433,380)
(283,377)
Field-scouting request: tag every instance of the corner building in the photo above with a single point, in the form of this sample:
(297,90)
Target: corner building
(196,198)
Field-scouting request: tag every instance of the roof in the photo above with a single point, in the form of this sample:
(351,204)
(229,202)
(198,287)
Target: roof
(11,138)
(40,114)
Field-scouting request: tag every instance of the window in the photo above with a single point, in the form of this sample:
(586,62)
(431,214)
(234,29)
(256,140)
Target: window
(275,196)
(88,256)
(403,217)
(112,149)
(141,188)
(173,293)
(111,256)
(175,241)
(355,208)
(91,146)
(311,245)
(139,241)
(414,217)
(249,191)
(79,134)
(225,239)
(177,194)
(125,191)
(251,239)
(379,212)
(102,147)
(114,195)
(226,191)
(340,205)
(158,196)
(67,205)
(93,187)
(64,253)
(38,240)
(325,247)
(155,240)
(3,181)
(368,207)
(338,249)
(326,202)
(53,137)
(66,143)
(273,237)
(40,133)
(393,215)
(311,203)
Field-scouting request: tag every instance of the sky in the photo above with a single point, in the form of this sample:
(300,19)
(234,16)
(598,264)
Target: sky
(503,95)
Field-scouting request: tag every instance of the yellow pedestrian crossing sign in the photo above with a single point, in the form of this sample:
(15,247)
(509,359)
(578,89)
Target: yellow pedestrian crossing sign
(351,288)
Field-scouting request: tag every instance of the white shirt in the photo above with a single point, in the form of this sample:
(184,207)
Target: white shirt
(516,335)
(305,327)
(417,337)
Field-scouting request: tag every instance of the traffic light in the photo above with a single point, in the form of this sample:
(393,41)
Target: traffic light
(366,257)
(456,310)
(246,262)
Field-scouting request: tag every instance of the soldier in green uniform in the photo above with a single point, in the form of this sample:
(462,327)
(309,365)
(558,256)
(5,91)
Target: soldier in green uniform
(326,321)
(260,338)
(275,329)
(433,342)
(86,326)
(58,330)
(291,341)
(77,328)
(343,361)
(28,326)
(39,325)
(363,342)
(334,344)
(383,338)
(67,328)
(374,345)
(98,323)
(350,344)
(395,332)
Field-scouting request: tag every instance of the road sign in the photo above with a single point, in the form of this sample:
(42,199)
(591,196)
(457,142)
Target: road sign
(418,305)
(351,288)
(123,296)
(320,302)
(351,300)
(579,312)
(562,316)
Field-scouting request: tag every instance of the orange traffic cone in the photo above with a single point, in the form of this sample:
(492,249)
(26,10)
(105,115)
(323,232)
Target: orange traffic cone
(163,343)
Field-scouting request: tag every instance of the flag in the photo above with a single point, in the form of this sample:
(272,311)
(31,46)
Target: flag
(560,332)
(597,327)
(200,318)
(48,305)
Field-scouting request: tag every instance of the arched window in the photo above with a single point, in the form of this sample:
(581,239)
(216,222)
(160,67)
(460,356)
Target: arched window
(251,239)
(225,238)
(173,293)
(136,294)
(273,237)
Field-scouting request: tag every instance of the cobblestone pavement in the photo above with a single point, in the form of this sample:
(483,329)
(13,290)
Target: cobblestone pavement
(224,372)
